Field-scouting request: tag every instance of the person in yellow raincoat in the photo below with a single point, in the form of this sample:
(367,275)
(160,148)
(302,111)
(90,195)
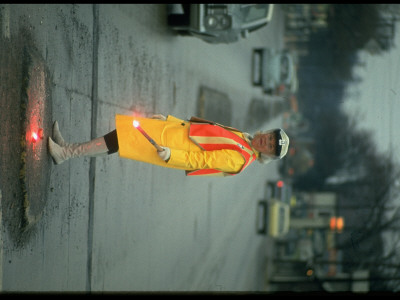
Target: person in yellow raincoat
(198,146)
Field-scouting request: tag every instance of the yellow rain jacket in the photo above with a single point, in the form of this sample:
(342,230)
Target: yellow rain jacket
(185,153)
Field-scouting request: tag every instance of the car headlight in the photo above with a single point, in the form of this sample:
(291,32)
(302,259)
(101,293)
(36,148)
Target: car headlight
(211,22)
(217,22)
(225,21)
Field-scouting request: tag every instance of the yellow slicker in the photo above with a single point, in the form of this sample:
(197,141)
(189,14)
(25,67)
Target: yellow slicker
(173,133)
(133,145)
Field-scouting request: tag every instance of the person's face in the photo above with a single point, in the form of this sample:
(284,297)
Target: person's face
(265,143)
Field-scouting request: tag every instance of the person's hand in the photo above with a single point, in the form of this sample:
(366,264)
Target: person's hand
(159,117)
(164,155)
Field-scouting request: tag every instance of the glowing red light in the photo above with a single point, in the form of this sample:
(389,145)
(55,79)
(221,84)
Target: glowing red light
(336,223)
(34,136)
(279,184)
(332,223)
(135,124)
(40,133)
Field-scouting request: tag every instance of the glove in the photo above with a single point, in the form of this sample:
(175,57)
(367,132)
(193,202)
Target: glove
(159,117)
(166,154)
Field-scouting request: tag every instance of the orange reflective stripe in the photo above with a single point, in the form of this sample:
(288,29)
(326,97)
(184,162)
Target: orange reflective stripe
(205,172)
(210,147)
(208,130)
(207,135)
(249,162)
(213,137)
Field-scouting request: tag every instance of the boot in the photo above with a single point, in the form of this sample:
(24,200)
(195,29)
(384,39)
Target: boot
(57,137)
(62,153)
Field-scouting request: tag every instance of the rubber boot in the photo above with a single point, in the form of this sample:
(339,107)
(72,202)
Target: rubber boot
(62,153)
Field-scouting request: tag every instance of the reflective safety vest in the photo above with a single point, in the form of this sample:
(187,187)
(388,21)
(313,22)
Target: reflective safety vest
(214,137)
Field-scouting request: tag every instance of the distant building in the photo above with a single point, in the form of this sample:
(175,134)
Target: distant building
(301,20)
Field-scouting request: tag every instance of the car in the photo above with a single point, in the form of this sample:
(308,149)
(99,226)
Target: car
(273,215)
(273,218)
(279,189)
(218,23)
(273,69)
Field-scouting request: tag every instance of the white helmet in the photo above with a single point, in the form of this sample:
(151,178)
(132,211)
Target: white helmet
(282,142)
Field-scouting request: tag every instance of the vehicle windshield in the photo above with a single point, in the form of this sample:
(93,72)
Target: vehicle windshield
(254,12)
